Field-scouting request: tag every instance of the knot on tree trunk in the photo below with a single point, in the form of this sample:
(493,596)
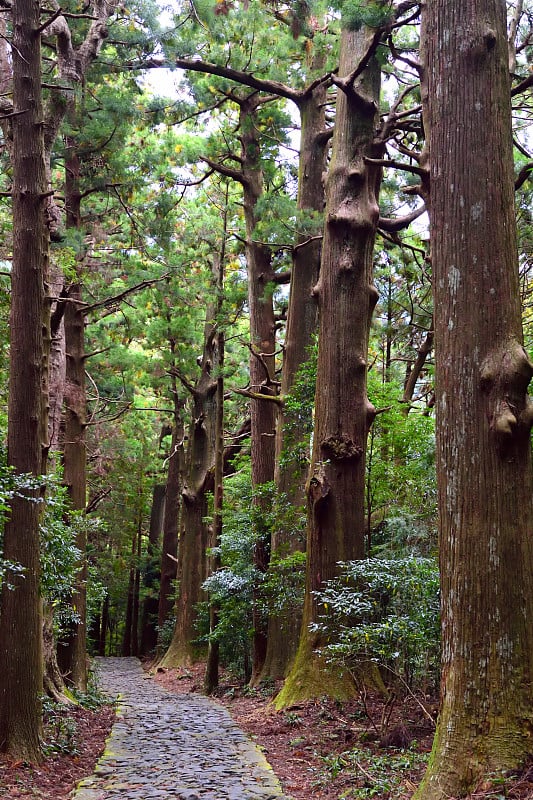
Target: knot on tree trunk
(505,376)
(341,448)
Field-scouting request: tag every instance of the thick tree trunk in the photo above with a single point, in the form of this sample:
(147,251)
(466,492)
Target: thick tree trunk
(262,359)
(194,531)
(483,413)
(72,650)
(53,682)
(213,649)
(171,517)
(21,665)
(128,637)
(346,297)
(148,636)
(292,450)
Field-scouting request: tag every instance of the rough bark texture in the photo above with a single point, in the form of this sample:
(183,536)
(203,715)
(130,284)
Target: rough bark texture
(346,297)
(483,413)
(194,533)
(148,636)
(213,650)
(263,345)
(20,621)
(72,650)
(292,452)
(169,546)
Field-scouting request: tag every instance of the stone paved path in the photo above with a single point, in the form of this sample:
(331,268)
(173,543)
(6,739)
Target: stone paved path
(165,746)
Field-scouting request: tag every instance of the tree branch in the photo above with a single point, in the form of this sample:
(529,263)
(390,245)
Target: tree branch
(110,301)
(347,84)
(228,172)
(400,223)
(386,162)
(185,382)
(522,86)
(523,175)
(272,398)
(243,78)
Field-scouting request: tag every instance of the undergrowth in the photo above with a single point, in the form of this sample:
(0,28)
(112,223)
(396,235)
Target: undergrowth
(370,774)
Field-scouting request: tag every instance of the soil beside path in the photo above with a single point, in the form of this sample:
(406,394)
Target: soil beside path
(163,746)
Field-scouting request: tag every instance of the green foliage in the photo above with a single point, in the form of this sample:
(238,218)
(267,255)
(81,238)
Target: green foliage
(60,558)
(60,727)
(385,611)
(92,699)
(400,459)
(372,13)
(59,730)
(231,588)
(284,584)
(298,412)
(404,534)
(11,485)
(370,774)
(165,633)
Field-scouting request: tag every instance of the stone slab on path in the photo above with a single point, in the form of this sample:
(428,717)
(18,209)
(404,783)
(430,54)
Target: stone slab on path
(172,747)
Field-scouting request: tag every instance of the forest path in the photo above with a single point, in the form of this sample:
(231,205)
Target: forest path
(172,747)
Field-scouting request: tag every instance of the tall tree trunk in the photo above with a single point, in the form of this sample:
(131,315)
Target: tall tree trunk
(20,621)
(148,636)
(262,359)
(104,627)
(169,546)
(127,637)
(136,595)
(198,481)
(213,649)
(292,450)
(72,650)
(212,666)
(483,413)
(346,297)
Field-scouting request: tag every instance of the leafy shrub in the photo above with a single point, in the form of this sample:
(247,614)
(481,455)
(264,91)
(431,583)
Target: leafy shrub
(404,534)
(284,584)
(231,588)
(386,611)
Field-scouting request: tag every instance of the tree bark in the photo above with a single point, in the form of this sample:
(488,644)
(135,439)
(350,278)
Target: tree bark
(262,358)
(483,413)
(346,297)
(171,517)
(148,637)
(292,450)
(72,650)
(194,533)
(21,664)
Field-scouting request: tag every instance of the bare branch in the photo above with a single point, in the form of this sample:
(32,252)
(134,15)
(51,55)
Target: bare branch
(522,86)
(523,175)
(57,13)
(271,398)
(400,223)
(387,162)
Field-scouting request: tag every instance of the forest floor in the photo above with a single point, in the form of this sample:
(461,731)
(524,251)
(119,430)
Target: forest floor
(319,750)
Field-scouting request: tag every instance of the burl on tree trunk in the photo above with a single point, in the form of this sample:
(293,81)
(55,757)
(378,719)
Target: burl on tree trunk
(346,298)
(483,413)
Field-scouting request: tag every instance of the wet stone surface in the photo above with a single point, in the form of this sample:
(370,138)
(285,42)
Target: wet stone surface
(164,746)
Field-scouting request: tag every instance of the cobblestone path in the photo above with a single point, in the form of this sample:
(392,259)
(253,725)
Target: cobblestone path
(172,747)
